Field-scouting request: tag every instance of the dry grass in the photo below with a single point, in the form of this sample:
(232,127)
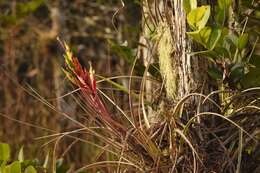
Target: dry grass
(30,54)
(220,141)
(111,130)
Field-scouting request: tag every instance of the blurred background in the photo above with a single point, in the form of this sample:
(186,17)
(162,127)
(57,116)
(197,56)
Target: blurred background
(31,58)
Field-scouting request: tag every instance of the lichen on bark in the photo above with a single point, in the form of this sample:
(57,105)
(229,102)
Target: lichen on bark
(165,54)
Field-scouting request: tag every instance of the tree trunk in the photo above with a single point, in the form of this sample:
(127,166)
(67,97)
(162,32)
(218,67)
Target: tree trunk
(165,29)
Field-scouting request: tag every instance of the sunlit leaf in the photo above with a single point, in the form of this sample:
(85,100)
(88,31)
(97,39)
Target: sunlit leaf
(201,36)
(30,169)
(4,152)
(195,35)
(207,36)
(198,17)
(14,167)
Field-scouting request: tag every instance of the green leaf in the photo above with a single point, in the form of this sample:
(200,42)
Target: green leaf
(237,72)
(224,4)
(35,163)
(222,42)
(201,36)
(255,61)
(3,167)
(222,52)
(21,155)
(222,11)
(30,169)
(195,35)
(4,152)
(214,38)
(215,73)
(209,54)
(8,19)
(198,17)
(220,16)
(15,167)
(242,41)
(251,79)
(207,37)
(189,5)
(61,167)
(232,39)
(116,85)
(6,169)
(24,9)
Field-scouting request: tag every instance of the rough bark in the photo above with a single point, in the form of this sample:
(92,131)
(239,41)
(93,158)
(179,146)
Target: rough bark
(182,74)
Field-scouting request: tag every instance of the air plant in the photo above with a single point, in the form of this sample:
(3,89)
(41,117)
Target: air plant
(137,141)
(85,80)
(173,143)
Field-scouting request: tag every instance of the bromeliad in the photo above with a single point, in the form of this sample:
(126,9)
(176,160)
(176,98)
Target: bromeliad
(139,141)
(85,80)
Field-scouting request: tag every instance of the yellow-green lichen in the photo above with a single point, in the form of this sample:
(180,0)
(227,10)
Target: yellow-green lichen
(166,61)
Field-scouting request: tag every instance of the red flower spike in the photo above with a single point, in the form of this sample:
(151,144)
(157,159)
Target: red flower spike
(86,82)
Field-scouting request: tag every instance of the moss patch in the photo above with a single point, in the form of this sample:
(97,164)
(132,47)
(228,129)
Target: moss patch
(166,52)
